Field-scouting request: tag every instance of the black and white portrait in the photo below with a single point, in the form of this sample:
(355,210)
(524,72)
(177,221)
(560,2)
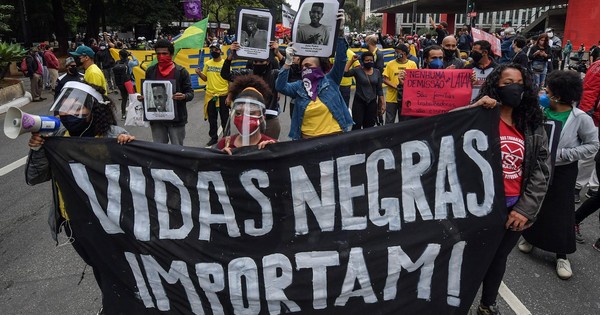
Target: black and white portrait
(315,28)
(158,100)
(255,30)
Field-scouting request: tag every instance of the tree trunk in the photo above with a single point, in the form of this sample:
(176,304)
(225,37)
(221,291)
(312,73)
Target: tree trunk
(60,27)
(93,19)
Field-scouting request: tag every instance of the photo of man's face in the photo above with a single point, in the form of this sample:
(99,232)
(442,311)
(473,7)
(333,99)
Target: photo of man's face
(316,13)
(251,25)
(193,8)
(159,95)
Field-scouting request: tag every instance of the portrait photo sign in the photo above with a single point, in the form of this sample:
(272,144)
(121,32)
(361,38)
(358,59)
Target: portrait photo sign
(158,100)
(429,92)
(315,27)
(255,29)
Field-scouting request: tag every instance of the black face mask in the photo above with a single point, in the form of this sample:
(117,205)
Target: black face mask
(259,69)
(78,62)
(215,54)
(511,95)
(72,70)
(476,56)
(449,54)
(76,126)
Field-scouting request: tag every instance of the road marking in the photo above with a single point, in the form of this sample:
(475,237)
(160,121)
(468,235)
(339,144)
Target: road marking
(512,300)
(13,166)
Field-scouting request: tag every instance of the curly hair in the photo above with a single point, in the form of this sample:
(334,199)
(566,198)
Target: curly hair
(103,115)
(244,81)
(529,113)
(565,85)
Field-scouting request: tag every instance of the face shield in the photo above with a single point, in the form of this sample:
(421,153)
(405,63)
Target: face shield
(76,99)
(247,116)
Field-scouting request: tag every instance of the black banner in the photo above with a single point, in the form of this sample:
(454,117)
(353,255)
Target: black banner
(397,219)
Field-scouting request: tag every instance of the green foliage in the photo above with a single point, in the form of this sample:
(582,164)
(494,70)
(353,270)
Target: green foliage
(6,11)
(11,52)
(354,16)
(373,23)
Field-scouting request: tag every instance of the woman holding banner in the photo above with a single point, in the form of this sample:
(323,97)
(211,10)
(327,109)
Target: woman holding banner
(524,148)
(319,107)
(553,231)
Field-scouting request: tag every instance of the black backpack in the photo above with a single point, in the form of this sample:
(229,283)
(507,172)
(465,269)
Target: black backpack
(121,72)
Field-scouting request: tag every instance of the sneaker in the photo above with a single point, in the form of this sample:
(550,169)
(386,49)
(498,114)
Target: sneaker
(597,245)
(591,193)
(488,310)
(525,246)
(578,237)
(577,197)
(211,142)
(563,269)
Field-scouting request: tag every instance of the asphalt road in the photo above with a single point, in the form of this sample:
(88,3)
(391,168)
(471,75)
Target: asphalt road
(37,277)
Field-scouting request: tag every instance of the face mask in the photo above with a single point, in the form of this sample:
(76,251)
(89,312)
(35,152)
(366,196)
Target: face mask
(410,41)
(72,70)
(368,65)
(253,123)
(215,54)
(399,55)
(102,47)
(311,77)
(165,64)
(259,69)
(75,125)
(511,95)
(436,63)
(476,56)
(78,62)
(550,34)
(544,100)
(449,54)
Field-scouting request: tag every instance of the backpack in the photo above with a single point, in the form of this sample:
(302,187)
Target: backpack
(121,72)
(29,66)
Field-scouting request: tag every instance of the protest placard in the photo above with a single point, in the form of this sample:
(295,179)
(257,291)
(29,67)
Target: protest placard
(399,219)
(481,35)
(429,92)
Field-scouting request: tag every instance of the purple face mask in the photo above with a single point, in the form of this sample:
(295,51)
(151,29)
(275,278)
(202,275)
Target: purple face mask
(310,78)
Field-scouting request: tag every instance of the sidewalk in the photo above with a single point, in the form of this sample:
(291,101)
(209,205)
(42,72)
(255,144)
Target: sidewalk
(20,102)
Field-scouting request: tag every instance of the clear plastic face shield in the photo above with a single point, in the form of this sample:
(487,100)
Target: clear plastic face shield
(247,118)
(76,99)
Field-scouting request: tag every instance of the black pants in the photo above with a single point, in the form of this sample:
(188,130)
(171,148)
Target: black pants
(589,206)
(124,98)
(364,113)
(213,111)
(495,273)
(346,91)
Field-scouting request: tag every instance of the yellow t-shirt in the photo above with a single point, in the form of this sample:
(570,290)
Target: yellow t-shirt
(318,120)
(391,71)
(347,81)
(215,84)
(93,75)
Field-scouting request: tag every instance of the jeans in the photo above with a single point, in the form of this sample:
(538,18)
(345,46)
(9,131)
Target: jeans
(162,132)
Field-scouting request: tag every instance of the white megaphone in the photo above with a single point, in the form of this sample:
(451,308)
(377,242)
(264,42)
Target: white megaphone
(17,123)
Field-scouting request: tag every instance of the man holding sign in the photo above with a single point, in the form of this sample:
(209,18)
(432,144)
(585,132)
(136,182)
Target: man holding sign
(393,77)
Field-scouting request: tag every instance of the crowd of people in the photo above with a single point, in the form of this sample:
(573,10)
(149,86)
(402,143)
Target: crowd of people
(526,83)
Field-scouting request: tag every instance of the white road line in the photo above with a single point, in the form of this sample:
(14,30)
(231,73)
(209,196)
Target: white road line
(512,300)
(13,166)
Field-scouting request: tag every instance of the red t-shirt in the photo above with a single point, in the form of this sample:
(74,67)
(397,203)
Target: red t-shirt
(512,146)
(221,143)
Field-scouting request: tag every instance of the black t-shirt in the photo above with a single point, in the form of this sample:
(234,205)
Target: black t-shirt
(441,33)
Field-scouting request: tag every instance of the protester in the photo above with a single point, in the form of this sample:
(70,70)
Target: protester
(72,74)
(105,61)
(346,83)
(556,48)
(31,66)
(371,41)
(122,73)
(465,41)
(41,50)
(433,57)
(247,114)
(520,56)
(538,55)
(268,71)
(165,69)
(216,93)
(591,205)
(93,75)
(506,45)
(566,54)
(52,65)
(553,230)
(368,99)
(525,159)
(393,77)
(451,58)
(483,64)
(320,108)
(440,29)
(84,112)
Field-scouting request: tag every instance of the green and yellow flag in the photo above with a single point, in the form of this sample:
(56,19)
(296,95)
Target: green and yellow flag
(192,37)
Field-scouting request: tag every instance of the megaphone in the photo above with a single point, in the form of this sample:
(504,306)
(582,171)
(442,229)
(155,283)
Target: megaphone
(18,122)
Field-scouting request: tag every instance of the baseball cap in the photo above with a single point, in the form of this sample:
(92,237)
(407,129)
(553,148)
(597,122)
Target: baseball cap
(69,60)
(215,45)
(83,51)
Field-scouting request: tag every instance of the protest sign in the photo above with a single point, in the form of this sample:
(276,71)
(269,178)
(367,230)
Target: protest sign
(399,219)
(481,35)
(429,92)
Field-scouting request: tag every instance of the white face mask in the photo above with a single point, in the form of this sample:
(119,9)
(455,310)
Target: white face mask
(410,41)
(550,34)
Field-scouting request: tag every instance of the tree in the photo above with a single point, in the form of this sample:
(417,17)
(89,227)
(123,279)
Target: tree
(354,14)
(373,22)
(5,12)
